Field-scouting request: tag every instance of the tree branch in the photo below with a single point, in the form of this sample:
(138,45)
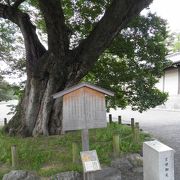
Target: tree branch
(116,17)
(8,2)
(17,3)
(58,41)
(33,46)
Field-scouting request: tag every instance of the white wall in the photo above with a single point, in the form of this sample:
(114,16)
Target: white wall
(159,85)
(171,81)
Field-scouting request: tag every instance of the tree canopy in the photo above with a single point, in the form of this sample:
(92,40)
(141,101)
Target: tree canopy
(133,64)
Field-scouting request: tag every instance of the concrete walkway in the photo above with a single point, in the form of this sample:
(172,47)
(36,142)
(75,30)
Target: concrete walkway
(163,125)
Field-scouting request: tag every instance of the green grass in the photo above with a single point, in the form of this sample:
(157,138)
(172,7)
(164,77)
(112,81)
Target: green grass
(50,155)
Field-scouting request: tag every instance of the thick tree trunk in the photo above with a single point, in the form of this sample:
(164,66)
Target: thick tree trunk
(38,113)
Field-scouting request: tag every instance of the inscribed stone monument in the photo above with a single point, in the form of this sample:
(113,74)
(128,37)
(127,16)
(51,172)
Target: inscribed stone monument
(158,161)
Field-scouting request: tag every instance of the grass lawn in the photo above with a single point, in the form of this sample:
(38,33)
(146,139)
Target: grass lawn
(53,154)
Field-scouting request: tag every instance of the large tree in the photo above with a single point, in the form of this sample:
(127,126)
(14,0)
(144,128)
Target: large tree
(69,56)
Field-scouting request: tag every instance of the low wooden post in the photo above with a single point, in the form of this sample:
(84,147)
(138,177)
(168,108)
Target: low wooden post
(14,156)
(119,120)
(137,125)
(110,118)
(5,121)
(136,132)
(75,152)
(132,125)
(116,149)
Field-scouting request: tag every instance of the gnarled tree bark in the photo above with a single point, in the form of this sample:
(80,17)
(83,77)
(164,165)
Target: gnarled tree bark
(57,68)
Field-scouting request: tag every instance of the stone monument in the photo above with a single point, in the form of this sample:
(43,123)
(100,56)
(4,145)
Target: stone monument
(158,161)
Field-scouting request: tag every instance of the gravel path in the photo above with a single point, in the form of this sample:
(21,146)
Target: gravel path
(163,125)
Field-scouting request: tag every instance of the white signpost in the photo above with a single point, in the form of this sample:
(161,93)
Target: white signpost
(158,161)
(83,109)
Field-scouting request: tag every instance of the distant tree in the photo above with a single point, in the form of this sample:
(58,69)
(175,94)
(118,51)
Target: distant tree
(173,42)
(176,47)
(6,91)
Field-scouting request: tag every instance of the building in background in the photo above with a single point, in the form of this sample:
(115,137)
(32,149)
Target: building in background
(170,83)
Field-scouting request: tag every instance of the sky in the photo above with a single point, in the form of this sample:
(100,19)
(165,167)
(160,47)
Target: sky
(170,10)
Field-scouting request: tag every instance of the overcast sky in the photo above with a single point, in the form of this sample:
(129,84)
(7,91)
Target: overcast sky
(170,10)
